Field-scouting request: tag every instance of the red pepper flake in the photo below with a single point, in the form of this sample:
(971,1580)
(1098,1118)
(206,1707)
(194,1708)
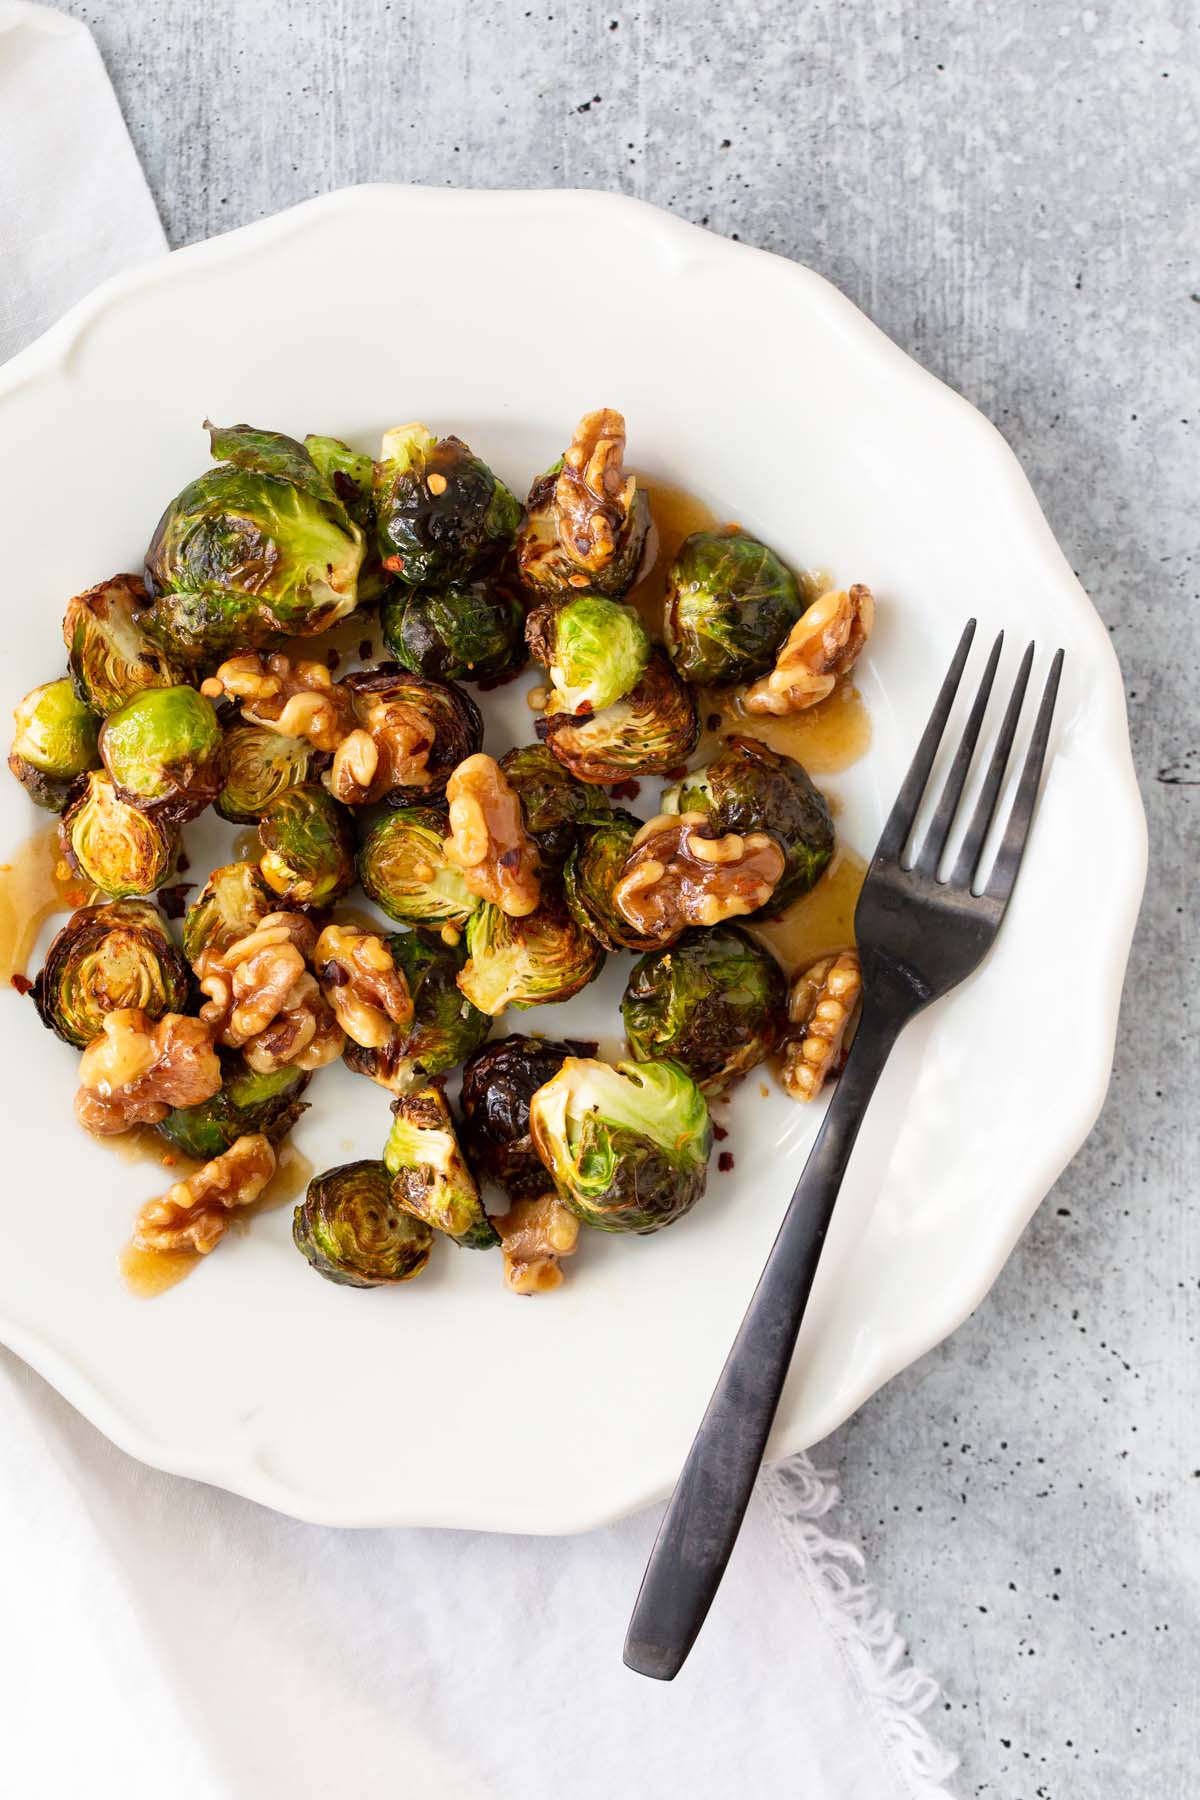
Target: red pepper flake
(725,1161)
(172,901)
(720,1133)
(332,659)
(365,649)
(22,984)
(676,774)
(625,790)
(713,722)
(488,682)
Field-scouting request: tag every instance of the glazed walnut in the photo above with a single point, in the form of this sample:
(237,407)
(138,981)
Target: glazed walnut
(593,492)
(822,1008)
(194,1214)
(488,840)
(677,874)
(139,1068)
(362,984)
(824,643)
(388,747)
(262,1000)
(297,700)
(534,1235)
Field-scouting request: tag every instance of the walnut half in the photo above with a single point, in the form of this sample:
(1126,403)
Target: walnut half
(362,984)
(194,1214)
(677,874)
(488,840)
(593,493)
(825,642)
(296,700)
(824,1001)
(262,1000)
(139,1068)
(534,1235)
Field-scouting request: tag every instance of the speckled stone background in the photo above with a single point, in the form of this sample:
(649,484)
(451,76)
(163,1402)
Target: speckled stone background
(1011,188)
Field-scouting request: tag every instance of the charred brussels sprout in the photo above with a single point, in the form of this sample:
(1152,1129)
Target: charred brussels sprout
(105,959)
(246,1102)
(422,729)
(586,519)
(716,1002)
(307,847)
(430,1179)
(257,766)
(54,743)
(109,653)
(498,1084)
(467,630)
(730,603)
(553,804)
(440,512)
(592,872)
(404,868)
(594,650)
(445,1029)
(352,1231)
(535,960)
(749,787)
(163,750)
(118,848)
(233,900)
(257,549)
(627,1147)
(651,731)
(351,475)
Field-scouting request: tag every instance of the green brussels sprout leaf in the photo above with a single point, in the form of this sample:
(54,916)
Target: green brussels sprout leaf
(430,1179)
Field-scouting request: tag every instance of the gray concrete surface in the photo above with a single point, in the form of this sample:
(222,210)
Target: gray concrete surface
(1010,189)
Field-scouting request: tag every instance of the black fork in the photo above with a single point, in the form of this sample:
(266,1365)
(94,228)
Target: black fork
(918,937)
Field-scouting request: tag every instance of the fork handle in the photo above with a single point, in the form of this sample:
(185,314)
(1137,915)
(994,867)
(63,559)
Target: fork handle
(705,1512)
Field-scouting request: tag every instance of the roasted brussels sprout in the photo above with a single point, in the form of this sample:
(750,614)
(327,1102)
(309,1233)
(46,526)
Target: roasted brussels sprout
(404,868)
(351,475)
(586,519)
(104,959)
(430,1179)
(257,766)
(498,1083)
(54,743)
(729,605)
(233,900)
(307,847)
(163,750)
(553,803)
(627,1147)
(652,731)
(109,653)
(246,1102)
(417,729)
(749,787)
(352,1231)
(592,871)
(467,630)
(257,549)
(531,961)
(440,512)
(716,1002)
(445,1028)
(594,650)
(116,846)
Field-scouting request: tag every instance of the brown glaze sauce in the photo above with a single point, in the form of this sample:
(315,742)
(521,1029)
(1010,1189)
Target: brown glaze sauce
(34,886)
(820,921)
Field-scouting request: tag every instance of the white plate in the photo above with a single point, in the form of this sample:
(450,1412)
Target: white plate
(755,384)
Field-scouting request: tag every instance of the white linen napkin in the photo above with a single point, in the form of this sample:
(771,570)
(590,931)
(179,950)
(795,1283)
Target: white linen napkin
(158,1637)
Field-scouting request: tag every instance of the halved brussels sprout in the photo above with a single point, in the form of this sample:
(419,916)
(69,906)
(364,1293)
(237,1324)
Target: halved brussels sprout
(535,960)
(246,1102)
(233,900)
(716,1002)
(118,848)
(163,750)
(430,1179)
(403,866)
(55,742)
(440,511)
(592,871)
(257,549)
(594,650)
(627,1147)
(498,1084)
(749,787)
(352,1231)
(422,728)
(446,1028)
(109,653)
(307,847)
(467,630)
(553,803)
(586,519)
(105,959)
(258,765)
(650,732)
(730,603)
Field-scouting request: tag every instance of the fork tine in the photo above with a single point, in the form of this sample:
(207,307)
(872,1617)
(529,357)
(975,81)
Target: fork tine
(926,862)
(1016,832)
(964,869)
(899,824)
